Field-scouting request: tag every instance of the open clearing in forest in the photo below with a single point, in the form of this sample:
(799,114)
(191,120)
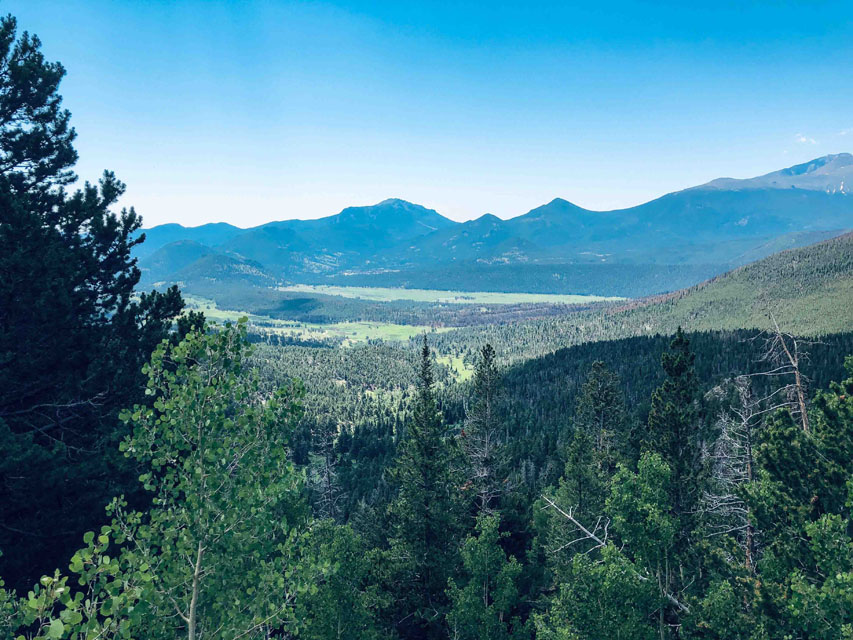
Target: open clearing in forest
(349,332)
(460,370)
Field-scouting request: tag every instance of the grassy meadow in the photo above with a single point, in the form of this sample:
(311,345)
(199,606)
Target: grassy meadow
(387,294)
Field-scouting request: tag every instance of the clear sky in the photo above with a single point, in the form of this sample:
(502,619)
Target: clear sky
(248,111)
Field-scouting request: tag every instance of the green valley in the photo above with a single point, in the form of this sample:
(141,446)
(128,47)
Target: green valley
(384,294)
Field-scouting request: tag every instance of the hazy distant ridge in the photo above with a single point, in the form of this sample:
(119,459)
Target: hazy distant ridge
(725,222)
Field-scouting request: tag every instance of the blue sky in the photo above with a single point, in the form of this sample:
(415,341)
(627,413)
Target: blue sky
(253,111)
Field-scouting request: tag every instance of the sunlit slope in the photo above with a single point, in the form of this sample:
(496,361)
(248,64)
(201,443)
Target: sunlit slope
(809,290)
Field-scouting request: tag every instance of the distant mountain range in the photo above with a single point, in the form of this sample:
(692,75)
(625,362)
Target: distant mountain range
(697,232)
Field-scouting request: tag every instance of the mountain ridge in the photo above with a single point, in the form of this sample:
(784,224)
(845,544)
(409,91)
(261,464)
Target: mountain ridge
(845,160)
(726,221)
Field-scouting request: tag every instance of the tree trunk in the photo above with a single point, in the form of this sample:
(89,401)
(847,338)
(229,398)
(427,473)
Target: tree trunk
(194,600)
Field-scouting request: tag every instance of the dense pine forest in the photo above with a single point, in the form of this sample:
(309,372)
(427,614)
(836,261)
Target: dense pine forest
(591,473)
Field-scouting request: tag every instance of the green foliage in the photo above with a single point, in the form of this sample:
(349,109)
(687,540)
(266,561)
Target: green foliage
(348,598)
(36,138)
(808,290)
(721,614)
(581,488)
(822,603)
(219,552)
(225,523)
(482,436)
(426,514)
(673,432)
(590,457)
(802,507)
(601,412)
(105,606)
(621,592)
(598,599)
(217,541)
(640,506)
(482,608)
(73,337)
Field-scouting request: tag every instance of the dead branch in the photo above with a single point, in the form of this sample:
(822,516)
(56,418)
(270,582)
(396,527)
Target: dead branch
(601,542)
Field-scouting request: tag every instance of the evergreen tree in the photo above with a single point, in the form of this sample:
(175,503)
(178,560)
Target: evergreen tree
(673,436)
(482,609)
(600,598)
(581,489)
(640,504)
(673,431)
(426,514)
(482,440)
(348,597)
(219,554)
(802,505)
(625,592)
(601,412)
(73,337)
(36,139)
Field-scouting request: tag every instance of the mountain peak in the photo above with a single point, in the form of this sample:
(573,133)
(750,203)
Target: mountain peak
(831,173)
(487,217)
(832,160)
(484,221)
(557,207)
(395,202)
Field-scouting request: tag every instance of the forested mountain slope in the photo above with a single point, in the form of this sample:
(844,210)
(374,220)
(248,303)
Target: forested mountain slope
(808,290)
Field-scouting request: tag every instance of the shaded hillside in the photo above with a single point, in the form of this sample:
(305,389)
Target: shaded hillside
(219,272)
(167,262)
(620,280)
(543,391)
(209,235)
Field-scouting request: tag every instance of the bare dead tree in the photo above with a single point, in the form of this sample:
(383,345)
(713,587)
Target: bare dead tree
(598,534)
(322,473)
(733,467)
(483,448)
(482,439)
(785,354)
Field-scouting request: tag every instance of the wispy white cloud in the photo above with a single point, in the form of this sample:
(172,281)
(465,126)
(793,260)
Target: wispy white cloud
(804,139)
(846,132)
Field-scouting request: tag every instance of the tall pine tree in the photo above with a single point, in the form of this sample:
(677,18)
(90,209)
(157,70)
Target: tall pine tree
(672,427)
(673,436)
(601,413)
(73,334)
(482,440)
(427,512)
